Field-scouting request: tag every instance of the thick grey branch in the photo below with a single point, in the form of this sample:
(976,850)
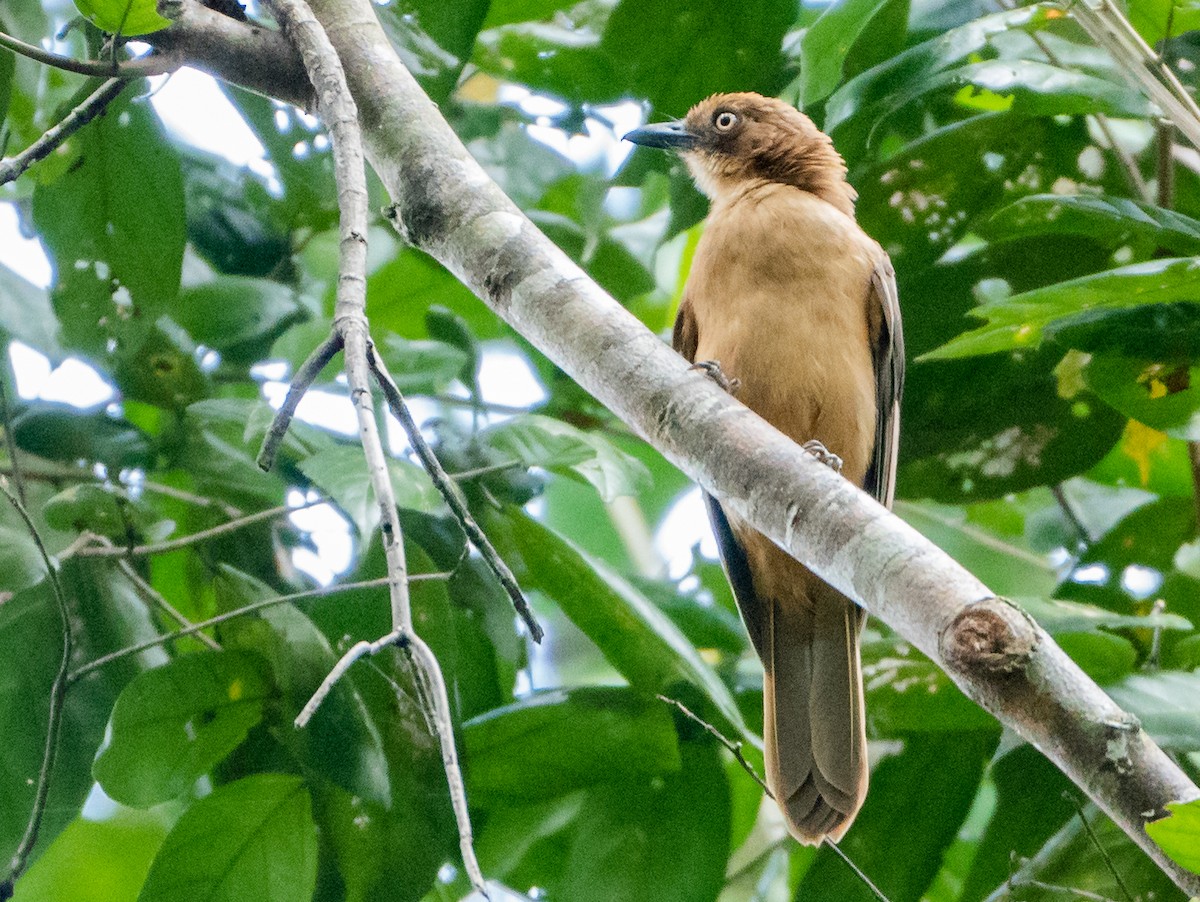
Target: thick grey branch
(447,206)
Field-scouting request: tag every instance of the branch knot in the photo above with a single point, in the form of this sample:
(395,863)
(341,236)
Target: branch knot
(990,636)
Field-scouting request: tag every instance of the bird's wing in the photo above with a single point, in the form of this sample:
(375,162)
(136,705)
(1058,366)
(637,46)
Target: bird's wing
(685,339)
(887,346)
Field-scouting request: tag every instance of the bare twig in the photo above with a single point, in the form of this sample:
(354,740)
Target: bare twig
(96,664)
(170,491)
(303,380)
(107,549)
(1108,862)
(156,599)
(735,749)
(340,114)
(58,690)
(357,650)
(1064,504)
(142,67)
(453,498)
(12,167)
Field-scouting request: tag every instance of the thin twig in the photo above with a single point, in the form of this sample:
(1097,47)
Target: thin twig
(142,67)
(156,599)
(338,109)
(1108,862)
(357,650)
(170,491)
(735,748)
(1054,888)
(96,664)
(465,475)
(452,496)
(12,167)
(110,550)
(1064,504)
(1165,134)
(58,690)
(303,380)
(10,440)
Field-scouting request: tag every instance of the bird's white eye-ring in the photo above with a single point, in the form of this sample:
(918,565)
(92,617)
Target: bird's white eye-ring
(725,120)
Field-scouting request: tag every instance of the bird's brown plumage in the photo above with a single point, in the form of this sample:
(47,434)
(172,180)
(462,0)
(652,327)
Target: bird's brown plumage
(799,305)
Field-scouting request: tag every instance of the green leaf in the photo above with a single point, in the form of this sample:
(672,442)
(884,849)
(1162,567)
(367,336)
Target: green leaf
(237,315)
(1116,220)
(635,637)
(100,215)
(434,39)
(908,694)
(173,724)
(1179,834)
(25,310)
(107,511)
(552,743)
(1163,396)
(826,42)
(917,802)
(96,861)
(341,471)
(1004,566)
(421,366)
(538,441)
(1165,702)
(1029,88)
(1058,616)
(253,839)
(1017,322)
(342,741)
(663,838)
(21,563)
(126,17)
(920,63)
(58,432)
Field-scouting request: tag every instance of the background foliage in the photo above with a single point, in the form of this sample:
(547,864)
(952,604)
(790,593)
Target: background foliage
(1051,313)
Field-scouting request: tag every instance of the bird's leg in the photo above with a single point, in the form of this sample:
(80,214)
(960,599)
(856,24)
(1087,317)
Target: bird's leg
(712,369)
(823,454)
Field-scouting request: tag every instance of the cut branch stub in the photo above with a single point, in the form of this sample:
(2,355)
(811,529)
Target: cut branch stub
(991,636)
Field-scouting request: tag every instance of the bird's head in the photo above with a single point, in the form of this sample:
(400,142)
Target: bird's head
(730,139)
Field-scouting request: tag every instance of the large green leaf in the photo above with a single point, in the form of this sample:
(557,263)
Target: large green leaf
(62,433)
(1165,702)
(1004,566)
(917,801)
(825,44)
(341,471)
(663,838)
(538,441)
(1018,321)
(119,209)
(236,315)
(1164,396)
(552,743)
(635,637)
(253,839)
(1179,834)
(25,310)
(1114,219)
(126,17)
(173,724)
(96,861)
(342,741)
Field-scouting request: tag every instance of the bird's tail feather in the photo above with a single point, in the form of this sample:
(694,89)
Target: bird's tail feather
(813,725)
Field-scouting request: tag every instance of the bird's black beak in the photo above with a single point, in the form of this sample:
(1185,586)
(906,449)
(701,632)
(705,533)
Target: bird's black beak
(667,135)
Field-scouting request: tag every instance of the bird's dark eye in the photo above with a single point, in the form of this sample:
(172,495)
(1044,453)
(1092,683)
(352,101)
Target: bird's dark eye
(725,120)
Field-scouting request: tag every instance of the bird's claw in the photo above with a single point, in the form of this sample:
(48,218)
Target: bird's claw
(824,455)
(712,369)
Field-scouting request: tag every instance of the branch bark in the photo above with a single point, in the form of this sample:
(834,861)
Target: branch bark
(447,206)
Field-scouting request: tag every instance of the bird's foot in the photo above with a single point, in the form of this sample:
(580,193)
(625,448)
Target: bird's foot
(824,455)
(712,369)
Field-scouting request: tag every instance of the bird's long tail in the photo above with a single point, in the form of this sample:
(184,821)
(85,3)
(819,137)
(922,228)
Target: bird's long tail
(813,727)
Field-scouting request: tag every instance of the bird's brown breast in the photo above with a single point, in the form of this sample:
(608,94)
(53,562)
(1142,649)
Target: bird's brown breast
(779,290)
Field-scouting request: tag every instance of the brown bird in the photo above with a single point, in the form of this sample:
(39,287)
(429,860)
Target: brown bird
(798,305)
